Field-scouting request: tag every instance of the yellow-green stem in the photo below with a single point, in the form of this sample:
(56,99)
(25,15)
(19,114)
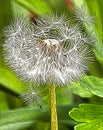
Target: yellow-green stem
(54,120)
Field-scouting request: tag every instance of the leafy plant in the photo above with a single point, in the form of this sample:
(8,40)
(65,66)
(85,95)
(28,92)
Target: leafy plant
(87,90)
(91,114)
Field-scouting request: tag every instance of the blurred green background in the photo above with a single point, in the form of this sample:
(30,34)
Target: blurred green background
(14,115)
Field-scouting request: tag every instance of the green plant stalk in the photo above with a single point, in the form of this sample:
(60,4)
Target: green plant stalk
(54,119)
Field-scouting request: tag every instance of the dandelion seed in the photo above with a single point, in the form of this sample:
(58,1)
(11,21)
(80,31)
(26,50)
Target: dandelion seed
(83,16)
(32,96)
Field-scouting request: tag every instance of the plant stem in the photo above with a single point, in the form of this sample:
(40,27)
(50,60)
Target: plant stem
(54,120)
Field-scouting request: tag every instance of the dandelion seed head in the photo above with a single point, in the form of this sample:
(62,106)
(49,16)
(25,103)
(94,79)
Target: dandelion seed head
(50,51)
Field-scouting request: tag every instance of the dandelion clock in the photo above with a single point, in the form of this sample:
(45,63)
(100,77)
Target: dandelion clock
(52,51)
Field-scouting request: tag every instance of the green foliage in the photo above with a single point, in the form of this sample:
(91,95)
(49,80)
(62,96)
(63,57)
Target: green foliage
(98,51)
(58,6)
(90,116)
(64,96)
(77,89)
(18,10)
(96,8)
(18,119)
(11,85)
(10,81)
(3,103)
(36,6)
(25,117)
(93,85)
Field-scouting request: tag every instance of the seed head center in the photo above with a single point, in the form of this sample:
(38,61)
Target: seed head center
(50,44)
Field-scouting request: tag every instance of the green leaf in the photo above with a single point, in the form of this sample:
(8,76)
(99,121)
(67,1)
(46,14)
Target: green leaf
(98,51)
(22,118)
(63,96)
(18,119)
(90,117)
(10,81)
(93,85)
(58,6)
(36,6)
(78,3)
(77,89)
(3,104)
(41,126)
(18,10)
(95,69)
(5,14)
(95,7)
(5,17)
